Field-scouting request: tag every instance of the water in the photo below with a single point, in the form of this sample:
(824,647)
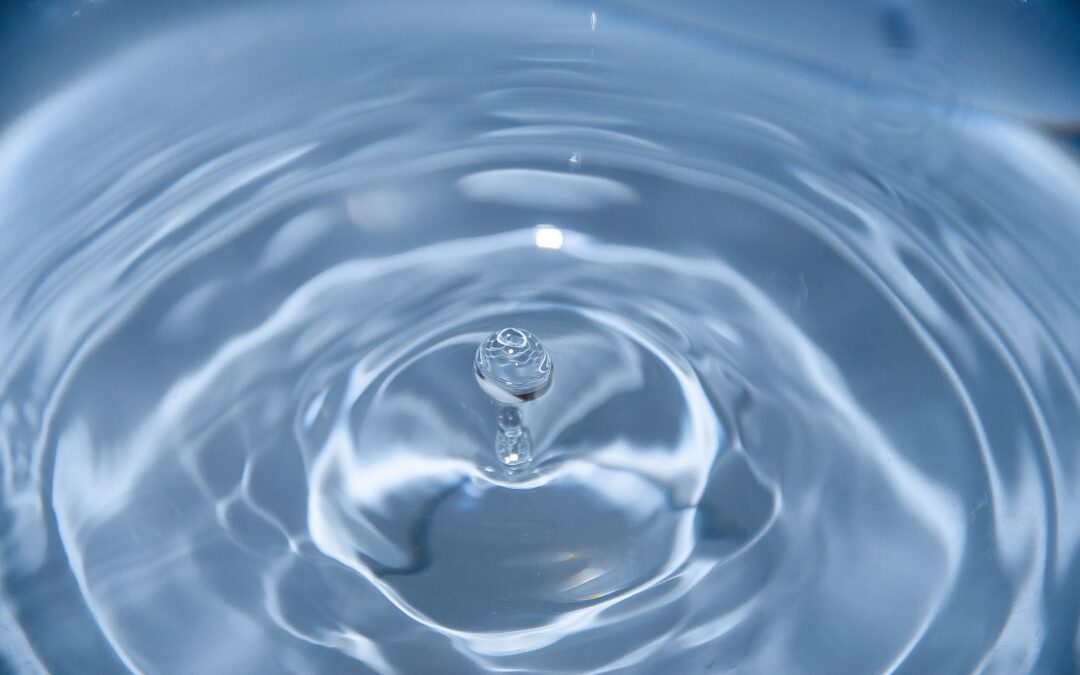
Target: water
(812,303)
(512,365)
(513,442)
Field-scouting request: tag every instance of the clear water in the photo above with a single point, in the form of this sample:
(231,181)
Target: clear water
(808,281)
(513,366)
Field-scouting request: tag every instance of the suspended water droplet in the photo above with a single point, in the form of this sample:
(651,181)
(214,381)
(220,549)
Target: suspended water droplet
(513,366)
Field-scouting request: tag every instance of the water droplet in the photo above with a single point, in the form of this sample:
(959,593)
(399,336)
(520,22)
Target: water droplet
(575,161)
(512,366)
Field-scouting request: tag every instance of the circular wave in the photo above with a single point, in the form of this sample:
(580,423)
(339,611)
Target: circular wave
(808,393)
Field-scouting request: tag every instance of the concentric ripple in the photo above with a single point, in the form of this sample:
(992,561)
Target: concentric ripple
(816,406)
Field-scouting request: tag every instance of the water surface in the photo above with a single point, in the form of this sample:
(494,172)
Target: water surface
(812,317)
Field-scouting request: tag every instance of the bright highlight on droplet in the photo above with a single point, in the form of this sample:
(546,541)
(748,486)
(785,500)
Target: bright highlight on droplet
(549,237)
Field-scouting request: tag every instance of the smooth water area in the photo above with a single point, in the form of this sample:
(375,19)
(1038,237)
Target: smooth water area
(809,362)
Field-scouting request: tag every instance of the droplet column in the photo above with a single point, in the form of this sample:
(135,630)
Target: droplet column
(513,367)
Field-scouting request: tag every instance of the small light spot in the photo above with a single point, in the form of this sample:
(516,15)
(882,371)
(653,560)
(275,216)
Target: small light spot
(549,237)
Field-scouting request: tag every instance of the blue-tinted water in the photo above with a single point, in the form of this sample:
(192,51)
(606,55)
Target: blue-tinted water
(806,275)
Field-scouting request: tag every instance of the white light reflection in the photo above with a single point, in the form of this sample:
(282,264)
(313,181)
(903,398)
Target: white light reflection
(548,236)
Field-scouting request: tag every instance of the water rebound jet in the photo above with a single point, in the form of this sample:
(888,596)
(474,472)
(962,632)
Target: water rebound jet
(512,367)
